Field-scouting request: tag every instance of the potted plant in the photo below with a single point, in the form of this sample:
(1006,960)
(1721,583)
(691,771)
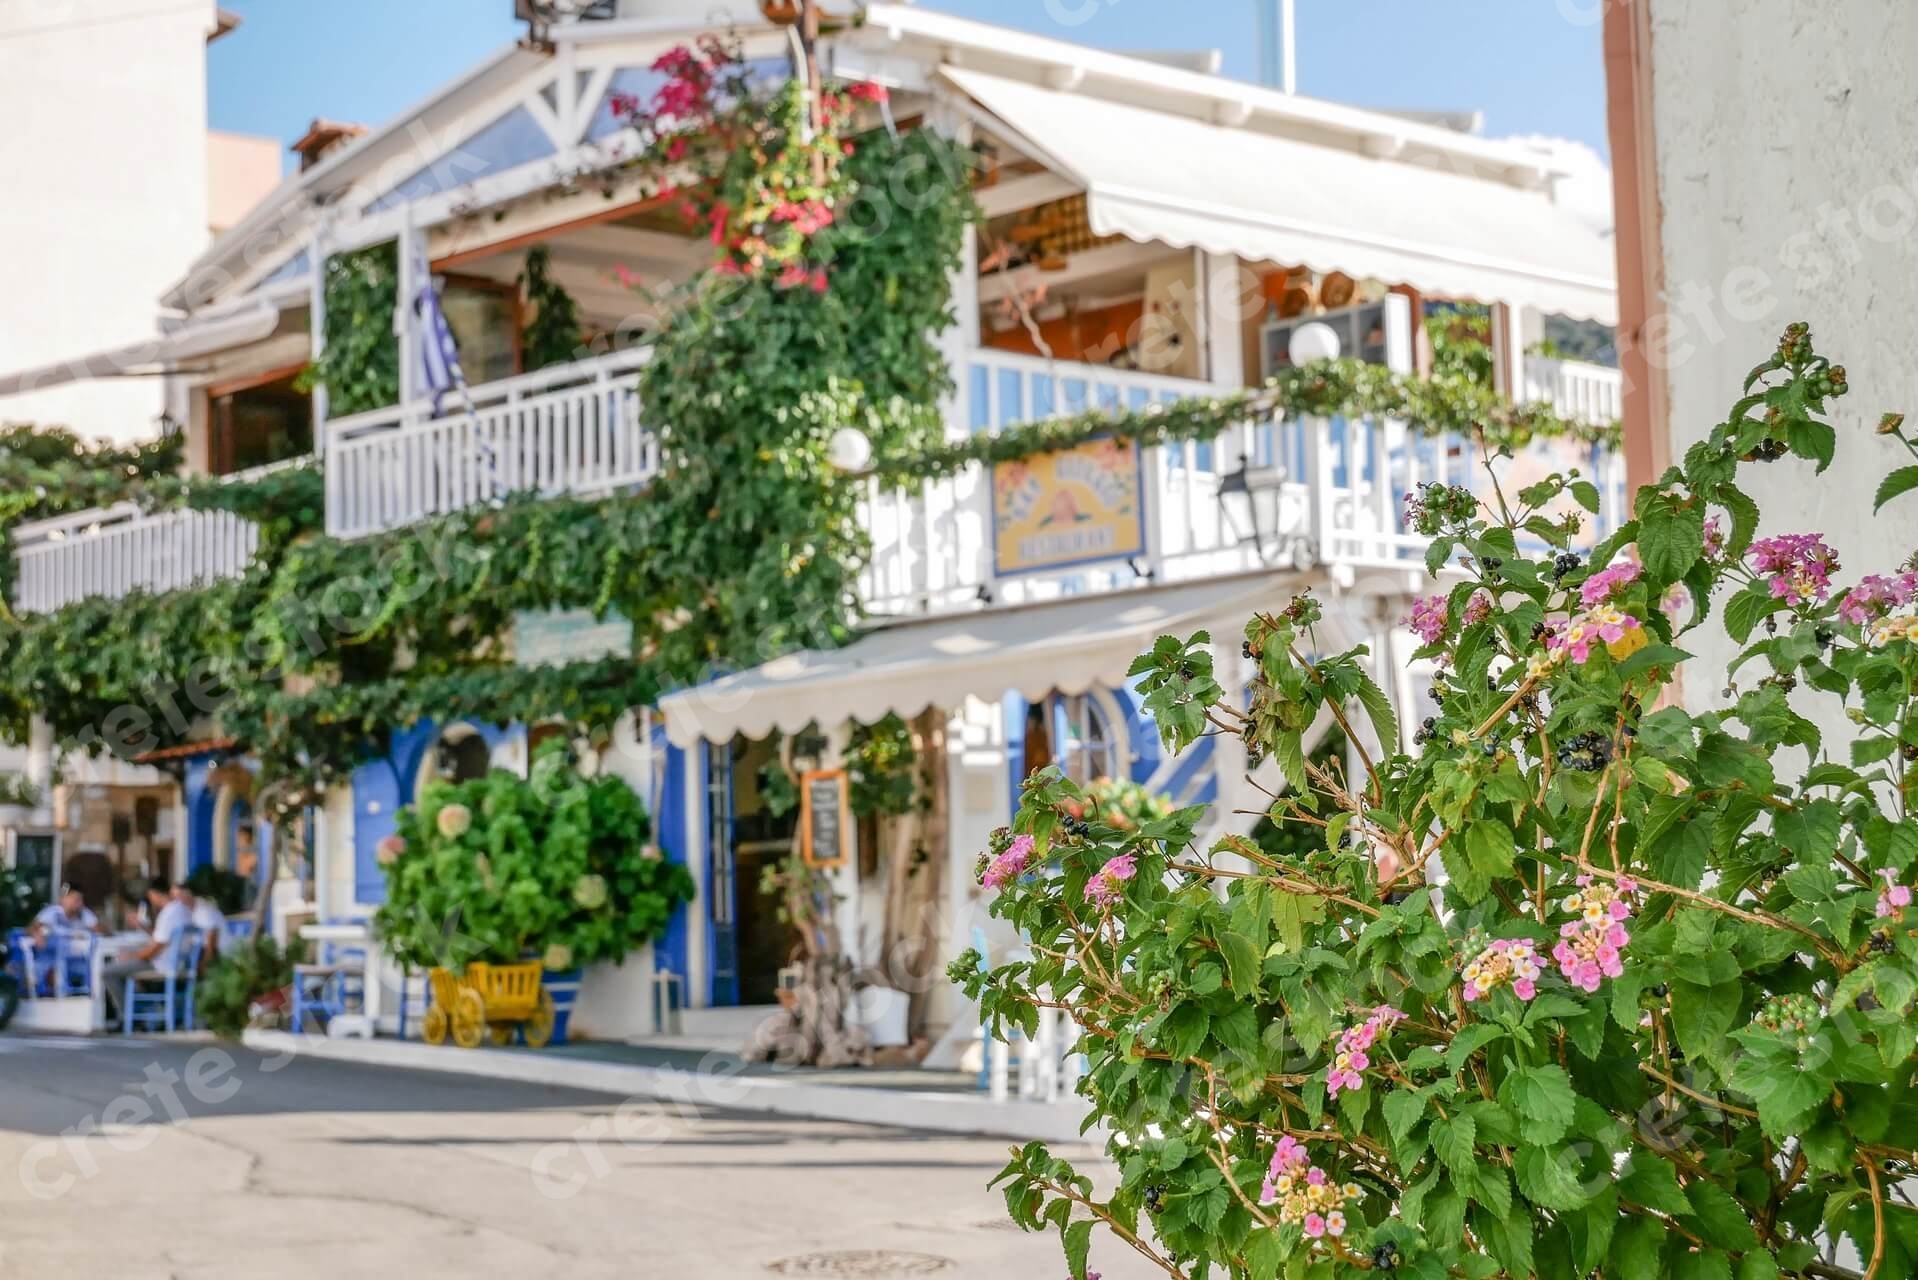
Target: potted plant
(504,886)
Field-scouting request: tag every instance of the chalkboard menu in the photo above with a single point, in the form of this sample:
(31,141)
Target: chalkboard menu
(824,829)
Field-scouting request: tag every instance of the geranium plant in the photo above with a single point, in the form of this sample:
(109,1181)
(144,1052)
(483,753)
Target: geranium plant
(1589,984)
(557,866)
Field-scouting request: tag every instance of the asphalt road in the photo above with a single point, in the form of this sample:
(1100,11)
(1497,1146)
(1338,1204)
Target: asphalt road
(138,1159)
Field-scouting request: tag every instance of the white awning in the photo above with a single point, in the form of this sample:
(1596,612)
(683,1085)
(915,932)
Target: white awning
(1153,176)
(1065,646)
(161,353)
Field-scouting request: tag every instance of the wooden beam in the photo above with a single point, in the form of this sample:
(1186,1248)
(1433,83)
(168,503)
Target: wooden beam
(1024,193)
(525,239)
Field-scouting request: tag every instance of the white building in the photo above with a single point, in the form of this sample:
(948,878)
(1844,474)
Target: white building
(1231,213)
(1762,183)
(107,104)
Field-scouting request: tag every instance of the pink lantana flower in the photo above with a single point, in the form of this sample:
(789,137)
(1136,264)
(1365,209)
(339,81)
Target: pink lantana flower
(1876,596)
(1428,619)
(1010,865)
(1607,583)
(1107,886)
(1351,1057)
(1895,898)
(1799,566)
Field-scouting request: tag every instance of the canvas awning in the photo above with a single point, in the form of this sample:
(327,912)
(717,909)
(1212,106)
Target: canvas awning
(161,353)
(1154,176)
(1065,646)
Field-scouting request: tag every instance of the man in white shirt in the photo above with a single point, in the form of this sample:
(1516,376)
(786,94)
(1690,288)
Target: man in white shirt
(169,917)
(204,914)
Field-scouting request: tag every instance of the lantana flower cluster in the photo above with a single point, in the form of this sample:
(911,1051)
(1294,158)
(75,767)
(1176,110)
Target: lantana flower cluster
(1895,898)
(1107,885)
(1875,596)
(1011,862)
(1591,948)
(1428,619)
(1305,1194)
(1510,962)
(1798,565)
(1353,1054)
(1618,632)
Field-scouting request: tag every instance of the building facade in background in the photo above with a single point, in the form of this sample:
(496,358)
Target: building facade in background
(107,103)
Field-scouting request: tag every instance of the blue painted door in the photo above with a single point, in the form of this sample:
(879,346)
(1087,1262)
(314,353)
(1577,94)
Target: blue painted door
(722,890)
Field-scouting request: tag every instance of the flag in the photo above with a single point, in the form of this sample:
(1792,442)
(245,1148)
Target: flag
(440,371)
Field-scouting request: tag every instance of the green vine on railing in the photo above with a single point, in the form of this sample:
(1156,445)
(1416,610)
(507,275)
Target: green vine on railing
(1329,388)
(360,365)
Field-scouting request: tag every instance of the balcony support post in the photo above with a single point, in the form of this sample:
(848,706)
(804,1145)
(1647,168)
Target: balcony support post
(414,275)
(316,326)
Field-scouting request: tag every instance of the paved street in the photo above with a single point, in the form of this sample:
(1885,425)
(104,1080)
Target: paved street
(260,1167)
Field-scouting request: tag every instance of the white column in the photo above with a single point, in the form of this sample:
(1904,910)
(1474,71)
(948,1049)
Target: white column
(1508,350)
(412,278)
(1222,287)
(316,326)
(39,764)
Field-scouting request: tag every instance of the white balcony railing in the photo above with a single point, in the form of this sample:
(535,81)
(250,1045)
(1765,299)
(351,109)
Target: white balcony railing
(1327,491)
(114,551)
(1588,393)
(570,429)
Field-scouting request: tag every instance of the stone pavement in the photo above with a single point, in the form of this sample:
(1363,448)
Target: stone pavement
(146,1159)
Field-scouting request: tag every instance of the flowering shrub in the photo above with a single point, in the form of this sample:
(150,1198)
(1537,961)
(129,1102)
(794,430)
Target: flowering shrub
(504,867)
(1588,985)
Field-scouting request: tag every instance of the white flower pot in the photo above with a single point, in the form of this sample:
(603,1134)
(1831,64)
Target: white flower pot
(882,1012)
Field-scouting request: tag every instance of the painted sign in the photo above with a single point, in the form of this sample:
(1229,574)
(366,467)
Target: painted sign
(556,637)
(1075,506)
(824,810)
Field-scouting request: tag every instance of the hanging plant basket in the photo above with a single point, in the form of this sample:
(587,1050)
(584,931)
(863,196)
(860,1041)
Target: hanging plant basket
(783,13)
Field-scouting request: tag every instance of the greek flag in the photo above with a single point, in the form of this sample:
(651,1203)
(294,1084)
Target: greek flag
(440,371)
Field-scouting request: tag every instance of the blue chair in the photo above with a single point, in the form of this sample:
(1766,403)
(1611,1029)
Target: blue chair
(26,962)
(331,987)
(171,1007)
(237,929)
(72,961)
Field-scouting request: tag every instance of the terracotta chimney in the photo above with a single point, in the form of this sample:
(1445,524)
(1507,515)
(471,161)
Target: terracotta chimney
(323,138)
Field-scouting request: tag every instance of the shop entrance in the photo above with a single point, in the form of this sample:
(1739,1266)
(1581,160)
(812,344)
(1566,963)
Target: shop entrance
(747,838)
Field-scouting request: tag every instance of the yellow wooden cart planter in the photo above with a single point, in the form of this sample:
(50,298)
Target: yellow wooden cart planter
(489,999)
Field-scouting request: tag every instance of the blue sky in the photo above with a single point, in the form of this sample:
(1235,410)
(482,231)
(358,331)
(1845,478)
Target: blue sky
(1533,66)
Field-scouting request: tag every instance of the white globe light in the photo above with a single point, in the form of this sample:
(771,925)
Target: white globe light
(1313,341)
(849,450)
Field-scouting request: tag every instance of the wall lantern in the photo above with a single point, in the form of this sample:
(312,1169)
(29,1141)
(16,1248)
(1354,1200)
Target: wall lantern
(849,451)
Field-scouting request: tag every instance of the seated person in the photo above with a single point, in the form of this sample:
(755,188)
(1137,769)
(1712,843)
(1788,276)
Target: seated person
(69,915)
(204,914)
(169,917)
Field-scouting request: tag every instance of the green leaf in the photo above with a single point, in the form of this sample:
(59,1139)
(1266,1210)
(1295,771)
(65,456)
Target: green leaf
(1379,707)
(1671,536)
(1706,1264)
(1549,1177)
(1651,1183)
(1718,1217)
(1403,1109)
(1078,1242)
(1542,1099)
(1903,480)
(1491,847)
(1455,1141)
(1758,1266)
